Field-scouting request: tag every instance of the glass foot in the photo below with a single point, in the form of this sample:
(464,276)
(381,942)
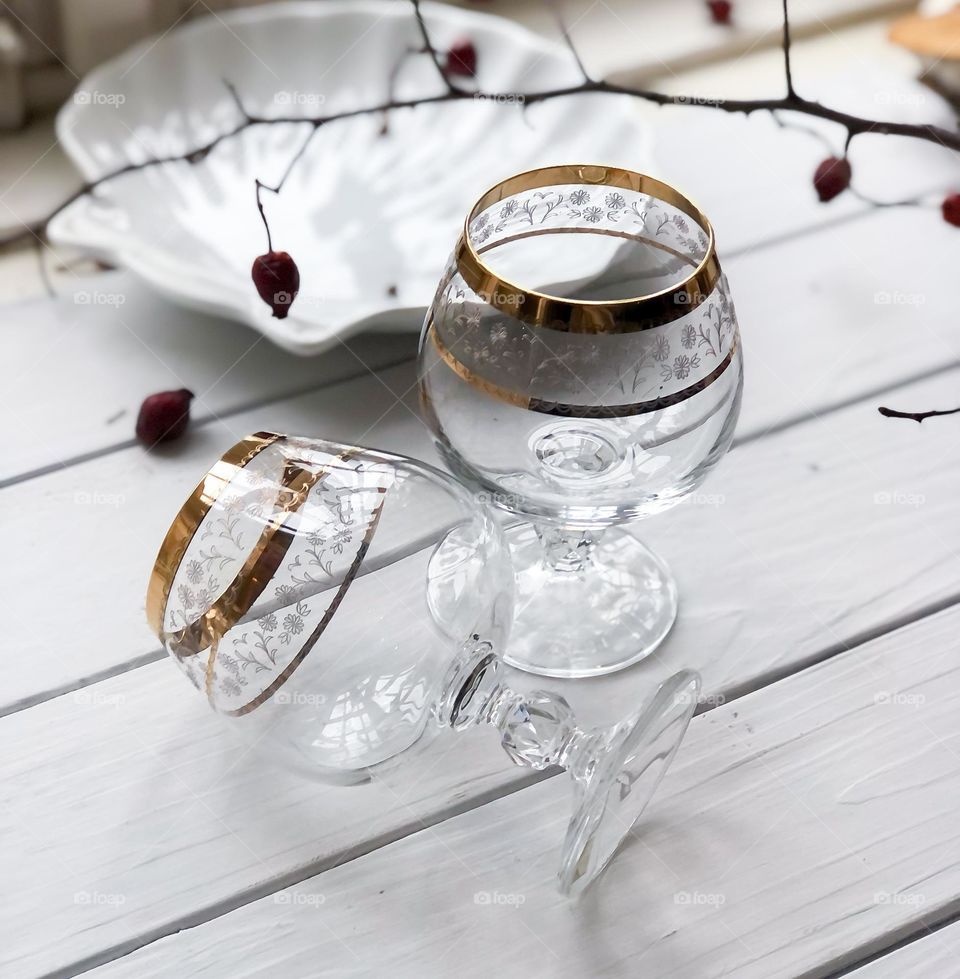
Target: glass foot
(627,773)
(584,605)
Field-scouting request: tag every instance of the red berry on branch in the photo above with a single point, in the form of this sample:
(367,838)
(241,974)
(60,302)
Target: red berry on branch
(951,209)
(720,11)
(164,416)
(462,59)
(832,177)
(277,279)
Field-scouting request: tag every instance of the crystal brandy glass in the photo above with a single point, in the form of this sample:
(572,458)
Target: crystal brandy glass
(580,367)
(347,605)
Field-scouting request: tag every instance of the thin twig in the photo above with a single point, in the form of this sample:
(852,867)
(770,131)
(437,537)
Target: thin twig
(854,125)
(231,88)
(568,40)
(430,50)
(787,45)
(278,186)
(263,217)
(917,416)
(791,102)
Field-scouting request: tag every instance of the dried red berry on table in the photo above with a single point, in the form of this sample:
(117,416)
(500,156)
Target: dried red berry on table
(277,279)
(720,11)
(832,177)
(951,209)
(164,416)
(462,59)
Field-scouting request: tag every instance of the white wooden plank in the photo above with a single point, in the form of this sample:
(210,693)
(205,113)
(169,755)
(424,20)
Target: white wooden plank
(755,178)
(80,366)
(131,786)
(111,514)
(841,313)
(35,175)
(115,509)
(757,187)
(634,41)
(800,828)
(618,39)
(936,955)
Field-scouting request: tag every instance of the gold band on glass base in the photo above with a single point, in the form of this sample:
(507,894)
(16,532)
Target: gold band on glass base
(565,410)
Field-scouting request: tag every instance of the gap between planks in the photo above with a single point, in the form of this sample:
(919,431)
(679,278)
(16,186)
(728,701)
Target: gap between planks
(948,911)
(921,950)
(806,417)
(106,450)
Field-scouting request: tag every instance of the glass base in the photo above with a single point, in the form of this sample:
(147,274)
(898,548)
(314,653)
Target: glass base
(627,773)
(600,605)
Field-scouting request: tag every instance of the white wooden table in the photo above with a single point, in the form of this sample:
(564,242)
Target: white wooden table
(809,826)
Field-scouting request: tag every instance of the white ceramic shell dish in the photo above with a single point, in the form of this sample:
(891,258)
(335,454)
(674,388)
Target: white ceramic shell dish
(369,218)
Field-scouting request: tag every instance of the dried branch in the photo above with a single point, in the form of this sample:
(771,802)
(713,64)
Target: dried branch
(917,416)
(567,39)
(791,102)
(786,43)
(430,50)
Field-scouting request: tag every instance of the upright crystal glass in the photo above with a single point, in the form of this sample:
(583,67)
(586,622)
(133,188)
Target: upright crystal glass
(347,605)
(580,367)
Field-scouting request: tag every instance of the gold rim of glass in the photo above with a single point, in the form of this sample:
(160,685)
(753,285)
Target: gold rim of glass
(191,515)
(589,316)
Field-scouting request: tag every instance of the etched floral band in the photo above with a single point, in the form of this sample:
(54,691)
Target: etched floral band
(594,200)
(234,536)
(533,349)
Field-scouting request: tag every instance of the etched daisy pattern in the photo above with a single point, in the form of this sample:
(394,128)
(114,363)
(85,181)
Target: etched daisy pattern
(221,543)
(542,362)
(340,508)
(573,206)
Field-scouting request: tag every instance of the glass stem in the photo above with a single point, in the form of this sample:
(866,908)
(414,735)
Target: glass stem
(567,550)
(537,729)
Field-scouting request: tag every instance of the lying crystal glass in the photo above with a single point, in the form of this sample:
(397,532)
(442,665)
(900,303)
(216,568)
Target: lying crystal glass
(349,603)
(580,367)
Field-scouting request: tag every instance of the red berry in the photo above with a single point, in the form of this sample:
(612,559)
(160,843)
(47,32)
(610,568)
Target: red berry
(462,59)
(832,177)
(951,209)
(164,416)
(277,279)
(720,11)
